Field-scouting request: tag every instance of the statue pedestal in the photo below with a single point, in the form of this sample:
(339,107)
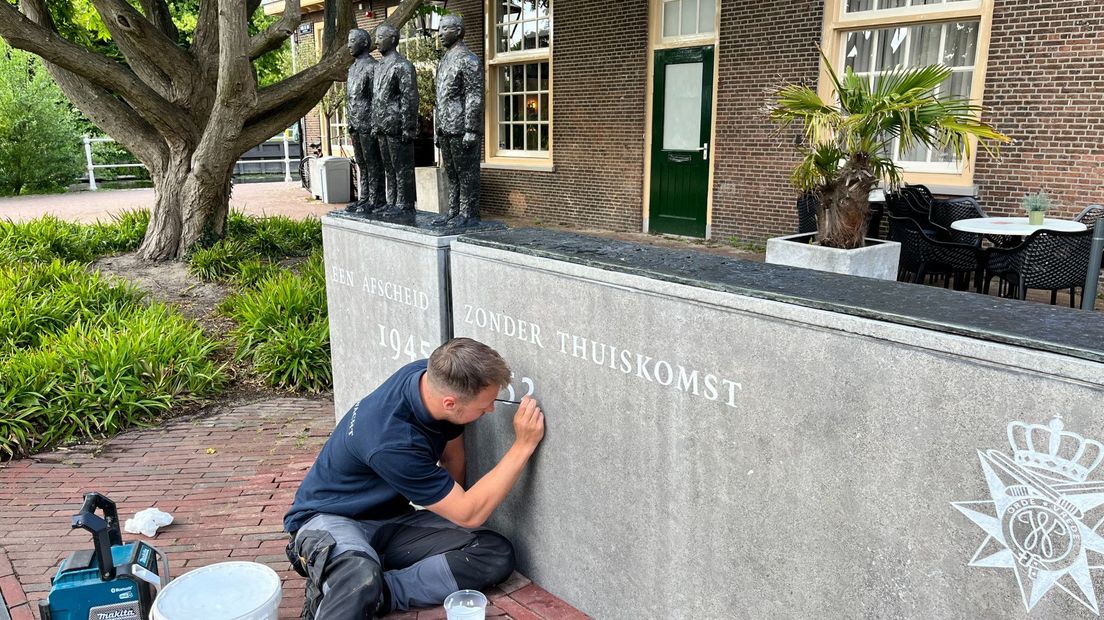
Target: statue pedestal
(387,293)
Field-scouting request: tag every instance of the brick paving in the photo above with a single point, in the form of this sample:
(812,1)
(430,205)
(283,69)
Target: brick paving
(279,198)
(227,479)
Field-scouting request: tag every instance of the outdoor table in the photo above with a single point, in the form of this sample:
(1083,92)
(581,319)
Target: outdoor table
(1013,226)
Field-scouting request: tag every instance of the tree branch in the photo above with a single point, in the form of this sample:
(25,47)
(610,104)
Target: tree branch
(205,44)
(235,95)
(114,117)
(157,11)
(261,127)
(331,68)
(314,79)
(150,54)
(108,112)
(107,74)
(277,33)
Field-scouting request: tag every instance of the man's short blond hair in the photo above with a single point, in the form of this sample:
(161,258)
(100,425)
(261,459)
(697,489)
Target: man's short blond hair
(466,367)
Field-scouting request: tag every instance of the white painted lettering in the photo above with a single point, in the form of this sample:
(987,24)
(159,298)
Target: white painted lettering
(534,335)
(687,383)
(626,362)
(642,366)
(670,375)
(732,387)
(578,346)
(711,387)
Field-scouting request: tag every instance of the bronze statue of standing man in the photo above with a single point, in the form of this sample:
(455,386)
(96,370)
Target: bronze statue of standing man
(459,123)
(395,120)
(366,150)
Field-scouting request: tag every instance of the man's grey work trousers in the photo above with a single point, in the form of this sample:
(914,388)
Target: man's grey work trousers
(413,560)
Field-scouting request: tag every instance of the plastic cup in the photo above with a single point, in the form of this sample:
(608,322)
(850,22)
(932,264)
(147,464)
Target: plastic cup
(466,605)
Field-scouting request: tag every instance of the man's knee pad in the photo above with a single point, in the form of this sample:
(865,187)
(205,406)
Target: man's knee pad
(352,581)
(486,561)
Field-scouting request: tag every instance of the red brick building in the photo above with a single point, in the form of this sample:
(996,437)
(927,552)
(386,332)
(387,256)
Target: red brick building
(647,114)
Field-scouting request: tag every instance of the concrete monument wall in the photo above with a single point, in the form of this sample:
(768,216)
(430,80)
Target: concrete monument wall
(386,288)
(719,451)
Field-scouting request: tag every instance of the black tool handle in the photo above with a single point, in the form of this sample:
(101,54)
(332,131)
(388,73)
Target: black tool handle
(105,531)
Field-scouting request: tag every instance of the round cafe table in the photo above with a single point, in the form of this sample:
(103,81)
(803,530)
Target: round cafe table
(1013,226)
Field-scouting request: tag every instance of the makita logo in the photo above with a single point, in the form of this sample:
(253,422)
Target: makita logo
(118,614)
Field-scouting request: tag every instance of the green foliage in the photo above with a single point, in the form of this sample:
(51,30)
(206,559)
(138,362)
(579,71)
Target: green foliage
(40,148)
(870,114)
(283,327)
(48,238)
(254,271)
(218,262)
(848,143)
(81,356)
(255,241)
(1036,202)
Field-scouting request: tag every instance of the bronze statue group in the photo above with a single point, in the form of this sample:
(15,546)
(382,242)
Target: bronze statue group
(383,121)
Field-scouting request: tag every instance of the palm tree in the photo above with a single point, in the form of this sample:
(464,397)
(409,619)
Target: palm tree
(847,145)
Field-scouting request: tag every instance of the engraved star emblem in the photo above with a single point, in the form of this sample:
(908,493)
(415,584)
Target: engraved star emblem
(1037,527)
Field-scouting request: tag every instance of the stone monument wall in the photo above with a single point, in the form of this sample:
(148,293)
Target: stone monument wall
(740,446)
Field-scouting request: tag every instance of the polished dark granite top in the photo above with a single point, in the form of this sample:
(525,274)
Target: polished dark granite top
(418,221)
(1077,333)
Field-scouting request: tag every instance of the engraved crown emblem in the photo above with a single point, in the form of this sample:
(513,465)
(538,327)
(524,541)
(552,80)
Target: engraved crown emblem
(1053,452)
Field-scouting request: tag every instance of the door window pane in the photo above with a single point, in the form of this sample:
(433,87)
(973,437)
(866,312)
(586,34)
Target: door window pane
(682,103)
(707,14)
(688,17)
(671,18)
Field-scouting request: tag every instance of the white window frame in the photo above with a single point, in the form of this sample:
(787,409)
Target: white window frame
(495,61)
(837,23)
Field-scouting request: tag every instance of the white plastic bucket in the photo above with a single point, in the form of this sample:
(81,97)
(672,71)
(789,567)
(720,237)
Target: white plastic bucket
(224,591)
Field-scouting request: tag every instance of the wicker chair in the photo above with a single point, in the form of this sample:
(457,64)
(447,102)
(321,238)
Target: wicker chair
(946,212)
(1089,215)
(806,214)
(1047,259)
(923,256)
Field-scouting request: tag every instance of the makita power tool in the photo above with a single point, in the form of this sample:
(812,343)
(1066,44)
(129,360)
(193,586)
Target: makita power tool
(113,581)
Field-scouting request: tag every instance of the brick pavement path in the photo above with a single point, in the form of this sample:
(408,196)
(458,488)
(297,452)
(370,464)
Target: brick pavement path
(227,480)
(279,198)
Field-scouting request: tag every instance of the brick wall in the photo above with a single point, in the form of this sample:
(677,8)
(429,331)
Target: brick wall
(599,75)
(762,44)
(1045,88)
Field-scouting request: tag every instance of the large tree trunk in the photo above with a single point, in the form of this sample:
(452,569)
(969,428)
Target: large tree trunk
(190,209)
(845,205)
(187,113)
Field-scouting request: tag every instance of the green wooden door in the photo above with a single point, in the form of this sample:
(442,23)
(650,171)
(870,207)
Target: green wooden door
(681,115)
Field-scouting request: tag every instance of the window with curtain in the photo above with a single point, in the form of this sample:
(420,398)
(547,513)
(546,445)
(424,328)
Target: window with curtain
(872,37)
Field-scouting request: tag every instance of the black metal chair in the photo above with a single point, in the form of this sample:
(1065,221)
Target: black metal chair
(807,213)
(1089,215)
(924,256)
(1047,259)
(946,212)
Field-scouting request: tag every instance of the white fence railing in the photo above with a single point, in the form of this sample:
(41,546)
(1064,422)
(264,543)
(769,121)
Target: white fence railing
(92,166)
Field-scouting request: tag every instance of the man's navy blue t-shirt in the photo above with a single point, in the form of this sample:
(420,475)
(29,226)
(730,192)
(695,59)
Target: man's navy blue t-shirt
(382,455)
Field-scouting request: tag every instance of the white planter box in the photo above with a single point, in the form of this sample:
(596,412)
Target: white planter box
(432,192)
(878,259)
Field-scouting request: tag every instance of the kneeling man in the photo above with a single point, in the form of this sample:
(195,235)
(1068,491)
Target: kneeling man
(355,536)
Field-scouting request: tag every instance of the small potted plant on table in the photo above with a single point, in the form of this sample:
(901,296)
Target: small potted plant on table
(847,151)
(1036,206)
